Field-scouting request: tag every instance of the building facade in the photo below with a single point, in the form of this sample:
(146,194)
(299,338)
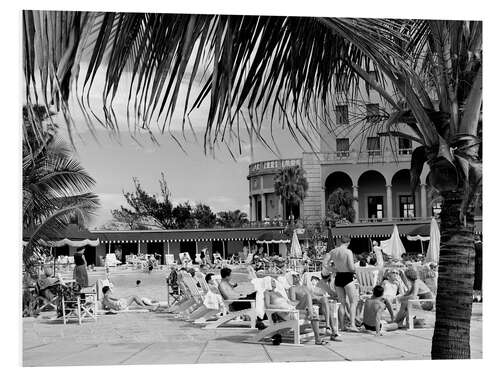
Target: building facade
(357,154)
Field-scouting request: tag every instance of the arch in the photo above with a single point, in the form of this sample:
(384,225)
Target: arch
(405,203)
(372,195)
(337,180)
(371,175)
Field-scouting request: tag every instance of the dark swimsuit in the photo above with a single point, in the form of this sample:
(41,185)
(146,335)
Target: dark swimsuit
(343,278)
(370,328)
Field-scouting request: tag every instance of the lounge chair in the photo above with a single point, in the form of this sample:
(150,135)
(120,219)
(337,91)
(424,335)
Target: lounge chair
(223,321)
(367,278)
(294,331)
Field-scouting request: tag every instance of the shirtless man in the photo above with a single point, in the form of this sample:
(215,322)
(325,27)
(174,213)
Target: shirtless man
(302,297)
(228,292)
(345,271)
(322,287)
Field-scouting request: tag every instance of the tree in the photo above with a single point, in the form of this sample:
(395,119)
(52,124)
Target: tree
(56,188)
(291,186)
(232,219)
(147,209)
(183,216)
(130,219)
(339,206)
(204,216)
(435,67)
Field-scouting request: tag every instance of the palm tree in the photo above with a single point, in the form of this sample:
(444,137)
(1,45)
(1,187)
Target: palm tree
(339,206)
(55,186)
(290,67)
(291,186)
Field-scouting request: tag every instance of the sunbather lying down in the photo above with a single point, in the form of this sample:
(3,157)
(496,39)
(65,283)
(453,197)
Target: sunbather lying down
(120,304)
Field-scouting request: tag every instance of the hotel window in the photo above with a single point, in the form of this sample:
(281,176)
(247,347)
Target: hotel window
(373,146)
(342,114)
(376,208)
(372,112)
(404,146)
(342,147)
(436,209)
(406,206)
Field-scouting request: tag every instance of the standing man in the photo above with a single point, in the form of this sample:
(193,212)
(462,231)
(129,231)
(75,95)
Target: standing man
(343,266)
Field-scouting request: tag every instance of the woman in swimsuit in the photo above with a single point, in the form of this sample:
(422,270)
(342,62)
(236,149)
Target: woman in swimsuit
(418,290)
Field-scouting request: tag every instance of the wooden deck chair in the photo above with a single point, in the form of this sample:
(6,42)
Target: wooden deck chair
(185,300)
(202,313)
(294,331)
(224,322)
(367,278)
(196,296)
(169,259)
(42,302)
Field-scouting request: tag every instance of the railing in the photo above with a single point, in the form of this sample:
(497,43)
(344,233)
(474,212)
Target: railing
(367,156)
(405,151)
(394,219)
(273,164)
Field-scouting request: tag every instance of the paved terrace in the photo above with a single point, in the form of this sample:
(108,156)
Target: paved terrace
(158,338)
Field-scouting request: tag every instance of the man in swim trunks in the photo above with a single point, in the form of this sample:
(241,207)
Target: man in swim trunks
(372,316)
(343,265)
(118,304)
(302,298)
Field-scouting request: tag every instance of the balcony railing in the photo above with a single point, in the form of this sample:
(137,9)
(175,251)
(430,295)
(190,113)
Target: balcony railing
(367,156)
(405,151)
(273,164)
(394,219)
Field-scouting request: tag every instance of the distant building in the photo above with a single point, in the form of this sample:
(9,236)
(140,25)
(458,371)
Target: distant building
(357,156)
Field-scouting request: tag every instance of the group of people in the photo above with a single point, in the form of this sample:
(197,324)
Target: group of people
(337,284)
(340,261)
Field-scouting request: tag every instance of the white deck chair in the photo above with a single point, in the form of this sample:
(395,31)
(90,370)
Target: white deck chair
(223,321)
(367,278)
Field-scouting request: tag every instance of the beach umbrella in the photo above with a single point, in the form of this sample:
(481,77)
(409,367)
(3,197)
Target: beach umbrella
(295,250)
(330,245)
(393,246)
(434,244)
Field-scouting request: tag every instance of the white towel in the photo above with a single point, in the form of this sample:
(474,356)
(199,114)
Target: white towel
(282,285)
(261,285)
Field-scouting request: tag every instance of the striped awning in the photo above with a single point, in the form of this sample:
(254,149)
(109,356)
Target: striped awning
(185,235)
(384,229)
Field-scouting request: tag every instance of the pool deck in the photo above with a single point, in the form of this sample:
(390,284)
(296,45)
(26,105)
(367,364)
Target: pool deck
(158,338)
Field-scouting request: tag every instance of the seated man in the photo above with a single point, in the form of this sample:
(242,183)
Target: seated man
(118,304)
(418,290)
(273,299)
(324,294)
(302,298)
(47,284)
(228,292)
(372,316)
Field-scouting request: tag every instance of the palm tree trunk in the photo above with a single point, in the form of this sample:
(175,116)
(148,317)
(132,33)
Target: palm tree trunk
(451,339)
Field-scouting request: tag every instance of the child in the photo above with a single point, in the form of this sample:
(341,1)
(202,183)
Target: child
(372,316)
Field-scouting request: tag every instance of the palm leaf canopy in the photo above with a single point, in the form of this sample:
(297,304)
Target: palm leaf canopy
(247,67)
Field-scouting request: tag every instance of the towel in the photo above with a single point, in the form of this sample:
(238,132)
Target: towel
(282,285)
(261,285)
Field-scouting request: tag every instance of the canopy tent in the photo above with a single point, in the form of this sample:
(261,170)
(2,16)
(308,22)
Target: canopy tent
(393,246)
(73,235)
(272,237)
(432,255)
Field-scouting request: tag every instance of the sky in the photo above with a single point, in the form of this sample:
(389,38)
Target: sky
(218,181)
(191,175)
